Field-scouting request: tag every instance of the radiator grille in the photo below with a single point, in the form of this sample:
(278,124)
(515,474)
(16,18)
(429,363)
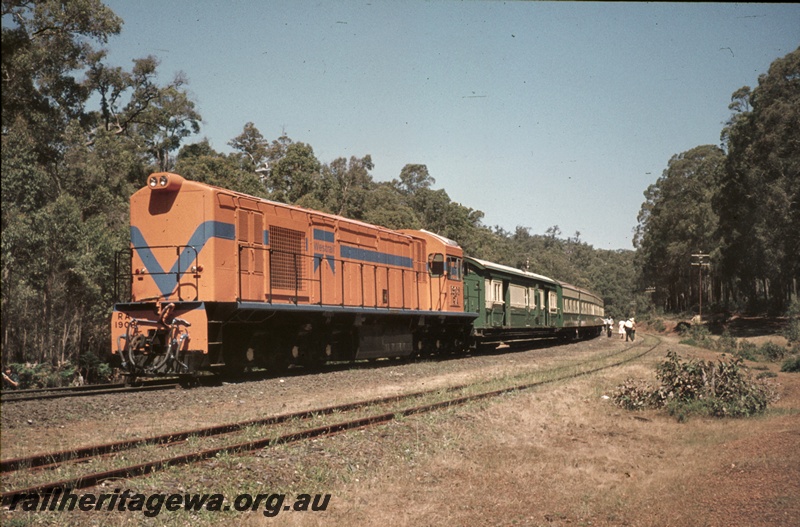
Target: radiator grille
(288,265)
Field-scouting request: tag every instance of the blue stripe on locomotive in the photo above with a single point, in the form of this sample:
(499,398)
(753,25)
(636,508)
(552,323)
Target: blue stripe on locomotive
(166,280)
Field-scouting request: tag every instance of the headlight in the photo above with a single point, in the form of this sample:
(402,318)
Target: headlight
(163,180)
(152,182)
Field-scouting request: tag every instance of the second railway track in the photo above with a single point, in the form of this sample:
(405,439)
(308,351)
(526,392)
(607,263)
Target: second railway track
(87,390)
(127,459)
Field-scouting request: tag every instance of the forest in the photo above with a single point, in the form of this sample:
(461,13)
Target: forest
(79,136)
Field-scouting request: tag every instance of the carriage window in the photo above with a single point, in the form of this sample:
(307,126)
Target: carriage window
(497,292)
(436,264)
(553,299)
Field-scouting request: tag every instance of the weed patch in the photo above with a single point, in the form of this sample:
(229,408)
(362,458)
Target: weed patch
(694,387)
(700,336)
(792,364)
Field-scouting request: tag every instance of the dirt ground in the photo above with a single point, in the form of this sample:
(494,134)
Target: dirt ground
(557,455)
(566,456)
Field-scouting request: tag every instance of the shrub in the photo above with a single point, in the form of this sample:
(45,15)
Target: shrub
(747,350)
(696,387)
(44,375)
(696,335)
(634,395)
(792,364)
(772,351)
(792,331)
(727,343)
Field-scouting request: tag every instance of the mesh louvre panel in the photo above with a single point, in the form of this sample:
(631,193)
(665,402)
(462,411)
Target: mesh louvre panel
(288,265)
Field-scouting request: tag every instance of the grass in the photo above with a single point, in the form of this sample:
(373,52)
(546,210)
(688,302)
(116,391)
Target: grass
(553,455)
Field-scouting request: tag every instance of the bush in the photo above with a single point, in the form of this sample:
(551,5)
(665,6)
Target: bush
(718,389)
(696,335)
(727,343)
(772,351)
(791,364)
(747,350)
(634,395)
(44,375)
(792,331)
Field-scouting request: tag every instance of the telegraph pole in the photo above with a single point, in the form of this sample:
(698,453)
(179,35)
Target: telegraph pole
(702,261)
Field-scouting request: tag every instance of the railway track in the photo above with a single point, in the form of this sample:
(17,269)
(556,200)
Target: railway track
(86,390)
(127,459)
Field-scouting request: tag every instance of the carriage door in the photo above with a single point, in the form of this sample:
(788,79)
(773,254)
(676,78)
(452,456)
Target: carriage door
(495,302)
(552,308)
(250,237)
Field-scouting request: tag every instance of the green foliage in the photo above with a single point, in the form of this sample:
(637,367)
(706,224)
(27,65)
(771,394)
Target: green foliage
(772,351)
(69,169)
(792,330)
(676,221)
(68,172)
(791,364)
(635,395)
(696,335)
(748,351)
(696,387)
(45,375)
(727,343)
(737,204)
(757,198)
(700,336)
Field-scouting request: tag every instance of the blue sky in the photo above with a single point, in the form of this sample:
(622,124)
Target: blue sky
(536,113)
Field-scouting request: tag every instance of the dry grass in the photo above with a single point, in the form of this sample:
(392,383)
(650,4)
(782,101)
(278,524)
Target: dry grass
(553,456)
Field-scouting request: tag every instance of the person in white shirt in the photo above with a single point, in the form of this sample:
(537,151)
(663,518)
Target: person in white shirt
(630,329)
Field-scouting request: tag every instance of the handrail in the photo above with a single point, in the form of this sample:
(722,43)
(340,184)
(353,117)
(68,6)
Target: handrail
(179,271)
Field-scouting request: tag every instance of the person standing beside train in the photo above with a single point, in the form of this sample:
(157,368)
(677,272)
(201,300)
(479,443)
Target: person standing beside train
(621,329)
(610,327)
(630,329)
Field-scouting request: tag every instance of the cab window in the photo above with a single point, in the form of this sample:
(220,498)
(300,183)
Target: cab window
(436,264)
(454,268)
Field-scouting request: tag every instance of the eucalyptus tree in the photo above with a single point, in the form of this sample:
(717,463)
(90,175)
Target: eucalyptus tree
(759,198)
(68,170)
(49,249)
(677,220)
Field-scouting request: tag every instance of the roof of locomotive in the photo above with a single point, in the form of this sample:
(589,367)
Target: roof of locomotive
(506,269)
(446,241)
(360,223)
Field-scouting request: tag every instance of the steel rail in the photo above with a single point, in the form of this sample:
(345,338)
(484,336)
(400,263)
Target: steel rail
(91,480)
(89,392)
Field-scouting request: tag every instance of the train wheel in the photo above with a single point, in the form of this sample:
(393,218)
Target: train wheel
(277,362)
(234,352)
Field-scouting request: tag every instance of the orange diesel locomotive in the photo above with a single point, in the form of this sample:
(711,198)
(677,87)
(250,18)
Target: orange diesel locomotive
(215,278)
